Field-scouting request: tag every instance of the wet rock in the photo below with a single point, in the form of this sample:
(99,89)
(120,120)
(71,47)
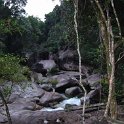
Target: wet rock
(72,101)
(87,70)
(24,104)
(72,74)
(70,66)
(42,117)
(73,91)
(48,64)
(92,97)
(102,121)
(46,87)
(15,90)
(65,82)
(3,119)
(65,55)
(67,60)
(33,90)
(37,77)
(21,106)
(93,81)
(13,97)
(38,67)
(87,100)
(44,66)
(30,90)
(50,97)
(23,117)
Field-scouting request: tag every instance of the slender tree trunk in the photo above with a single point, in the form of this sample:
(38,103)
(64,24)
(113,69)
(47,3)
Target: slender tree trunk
(111,103)
(108,41)
(79,54)
(6,107)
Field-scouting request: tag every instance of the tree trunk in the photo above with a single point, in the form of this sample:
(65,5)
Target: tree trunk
(79,55)
(6,107)
(108,41)
(111,103)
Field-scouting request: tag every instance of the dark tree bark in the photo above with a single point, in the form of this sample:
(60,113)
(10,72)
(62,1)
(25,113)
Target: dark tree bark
(6,107)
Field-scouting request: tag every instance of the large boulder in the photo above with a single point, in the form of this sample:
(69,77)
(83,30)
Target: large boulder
(3,118)
(50,97)
(73,91)
(73,74)
(22,104)
(68,61)
(13,97)
(37,77)
(48,64)
(102,121)
(92,97)
(33,90)
(46,87)
(29,90)
(15,90)
(66,55)
(39,68)
(87,70)
(41,117)
(44,66)
(33,57)
(70,66)
(64,82)
(93,81)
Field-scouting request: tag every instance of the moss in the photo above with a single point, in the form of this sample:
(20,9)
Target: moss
(53,71)
(41,81)
(53,81)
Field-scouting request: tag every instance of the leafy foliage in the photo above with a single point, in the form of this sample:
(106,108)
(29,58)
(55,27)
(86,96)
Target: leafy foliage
(15,6)
(11,70)
(8,26)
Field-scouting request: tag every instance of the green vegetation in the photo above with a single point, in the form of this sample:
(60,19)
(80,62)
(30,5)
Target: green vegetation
(11,69)
(53,81)
(53,71)
(20,35)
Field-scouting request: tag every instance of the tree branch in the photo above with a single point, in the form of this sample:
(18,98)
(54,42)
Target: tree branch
(117,20)
(121,55)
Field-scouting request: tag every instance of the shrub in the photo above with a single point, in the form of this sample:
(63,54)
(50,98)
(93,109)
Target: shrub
(10,69)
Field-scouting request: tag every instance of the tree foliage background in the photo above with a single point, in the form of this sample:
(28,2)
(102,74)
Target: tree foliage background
(20,34)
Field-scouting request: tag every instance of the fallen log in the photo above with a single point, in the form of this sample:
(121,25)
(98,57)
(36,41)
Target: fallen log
(115,122)
(88,109)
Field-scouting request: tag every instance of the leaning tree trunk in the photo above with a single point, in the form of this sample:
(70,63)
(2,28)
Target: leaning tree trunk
(6,107)
(104,21)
